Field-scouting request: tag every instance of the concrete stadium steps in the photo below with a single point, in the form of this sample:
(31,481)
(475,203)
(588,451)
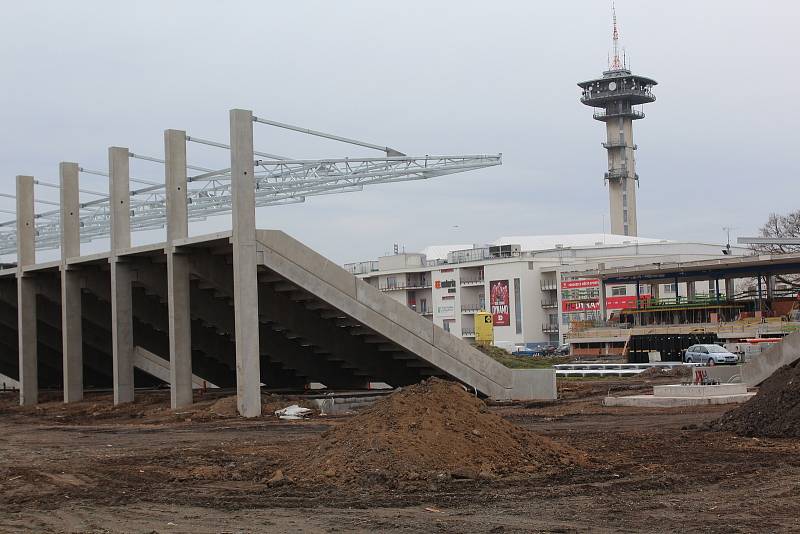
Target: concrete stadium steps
(396,331)
(316,323)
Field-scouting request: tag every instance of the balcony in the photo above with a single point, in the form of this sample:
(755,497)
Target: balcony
(618,144)
(603,115)
(475,282)
(467,333)
(424,284)
(471,308)
(550,328)
(547,304)
(362,267)
(633,96)
(619,174)
(548,285)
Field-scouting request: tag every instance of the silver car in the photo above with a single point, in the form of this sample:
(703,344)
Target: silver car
(709,355)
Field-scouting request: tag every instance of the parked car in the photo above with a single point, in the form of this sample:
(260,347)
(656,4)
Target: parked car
(710,355)
(563,349)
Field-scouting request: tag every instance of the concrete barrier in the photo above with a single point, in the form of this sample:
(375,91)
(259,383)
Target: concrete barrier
(761,367)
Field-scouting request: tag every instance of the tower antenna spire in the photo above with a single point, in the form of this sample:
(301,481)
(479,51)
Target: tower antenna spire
(615,62)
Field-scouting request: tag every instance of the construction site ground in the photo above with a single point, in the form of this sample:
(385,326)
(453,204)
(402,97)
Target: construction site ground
(89,467)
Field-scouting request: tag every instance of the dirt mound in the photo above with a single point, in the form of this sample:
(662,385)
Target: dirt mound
(434,429)
(675,371)
(225,407)
(773,412)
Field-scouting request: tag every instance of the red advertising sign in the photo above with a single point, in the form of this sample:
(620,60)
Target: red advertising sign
(499,301)
(621,303)
(578,306)
(576,284)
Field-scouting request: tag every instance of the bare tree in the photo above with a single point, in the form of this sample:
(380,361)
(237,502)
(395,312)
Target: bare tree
(782,226)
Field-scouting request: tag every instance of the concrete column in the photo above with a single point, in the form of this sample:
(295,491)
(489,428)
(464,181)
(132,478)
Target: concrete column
(26,294)
(730,288)
(26,232)
(119,175)
(178,269)
(121,275)
(122,330)
(603,311)
(654,290)
(71,319)
(691,290)
(245,281)
(175,174)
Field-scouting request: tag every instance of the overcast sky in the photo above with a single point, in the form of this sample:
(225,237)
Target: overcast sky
(718,148)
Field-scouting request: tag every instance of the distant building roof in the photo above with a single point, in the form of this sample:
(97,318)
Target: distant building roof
(543,242)
(549,242)
(439,252)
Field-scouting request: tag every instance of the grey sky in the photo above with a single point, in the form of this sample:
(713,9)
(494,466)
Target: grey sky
(718,148)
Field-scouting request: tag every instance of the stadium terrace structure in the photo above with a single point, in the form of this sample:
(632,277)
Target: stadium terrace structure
(242,308)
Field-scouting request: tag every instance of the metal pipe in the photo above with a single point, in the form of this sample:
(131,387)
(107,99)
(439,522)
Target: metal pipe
(56,186)
(228,147)
(159,160)
(389,151)
(132,179)
(48,202)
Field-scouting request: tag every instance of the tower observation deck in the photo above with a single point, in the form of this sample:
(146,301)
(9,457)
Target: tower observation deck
(614,96)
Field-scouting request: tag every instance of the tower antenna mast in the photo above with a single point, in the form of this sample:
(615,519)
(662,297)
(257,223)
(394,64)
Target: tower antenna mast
(615,63)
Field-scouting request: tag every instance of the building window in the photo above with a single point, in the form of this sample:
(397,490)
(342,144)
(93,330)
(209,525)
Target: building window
(391,282)
(423,305)
(619,291)
(669,288)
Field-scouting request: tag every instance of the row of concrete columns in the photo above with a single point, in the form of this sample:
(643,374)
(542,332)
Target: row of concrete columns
(122,273)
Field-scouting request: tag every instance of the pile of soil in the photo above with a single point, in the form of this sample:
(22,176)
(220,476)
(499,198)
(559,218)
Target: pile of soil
(677,371)
(774,412)
(434,429)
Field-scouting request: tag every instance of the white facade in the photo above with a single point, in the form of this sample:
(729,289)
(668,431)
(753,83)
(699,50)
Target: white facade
(451,288)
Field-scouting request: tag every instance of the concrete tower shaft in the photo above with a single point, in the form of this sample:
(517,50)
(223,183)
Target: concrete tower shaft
(615,96)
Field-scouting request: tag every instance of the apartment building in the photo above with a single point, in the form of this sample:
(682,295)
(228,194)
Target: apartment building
(519,280)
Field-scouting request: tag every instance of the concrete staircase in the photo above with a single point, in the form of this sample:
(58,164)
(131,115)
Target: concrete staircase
(400,334)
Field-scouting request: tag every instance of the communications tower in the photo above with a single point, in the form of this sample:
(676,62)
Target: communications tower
(615,95)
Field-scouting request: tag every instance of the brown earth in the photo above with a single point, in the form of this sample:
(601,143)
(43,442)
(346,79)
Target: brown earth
(678,371)
(773,412)
(138,469)
(432,430)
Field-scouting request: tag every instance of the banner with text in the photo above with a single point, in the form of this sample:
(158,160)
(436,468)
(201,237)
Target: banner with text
(499,300)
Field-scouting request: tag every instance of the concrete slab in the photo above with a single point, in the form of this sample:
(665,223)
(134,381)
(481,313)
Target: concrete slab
(691,390)
(650,401)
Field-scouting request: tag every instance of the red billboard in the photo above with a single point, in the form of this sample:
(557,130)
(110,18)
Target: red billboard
(568,306)
(576,284)
(499,302)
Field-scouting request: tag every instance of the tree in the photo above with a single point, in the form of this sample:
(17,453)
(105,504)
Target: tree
(782,226)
